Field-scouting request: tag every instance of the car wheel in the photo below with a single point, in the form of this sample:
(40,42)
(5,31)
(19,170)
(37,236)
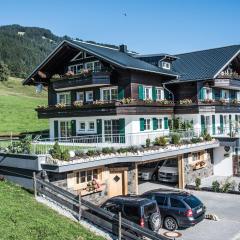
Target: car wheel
(154,177)
(170,224)
(155,222)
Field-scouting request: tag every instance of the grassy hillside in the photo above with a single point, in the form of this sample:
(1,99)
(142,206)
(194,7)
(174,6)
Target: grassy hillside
(17,104)
(21,217)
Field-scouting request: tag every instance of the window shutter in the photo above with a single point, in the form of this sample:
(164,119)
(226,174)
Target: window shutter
(56,129)
(99,126)
(73,128)
(154,94)
(213,125)
(213,93)
(155,123)
(141,124)
(97,94)
(122,130)
(140,92)
(202,124)
(221,123)
(121,93)
(165,123)
(201,93)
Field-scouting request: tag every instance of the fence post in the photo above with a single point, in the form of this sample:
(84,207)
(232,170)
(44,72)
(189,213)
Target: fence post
(34,184)
(80,207)
(119,226)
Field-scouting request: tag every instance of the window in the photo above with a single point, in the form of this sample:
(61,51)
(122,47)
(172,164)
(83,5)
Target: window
(192,201)
(80,96)
(97,66)
(225,94)
(131,210)
(166,65)
(95,174)
(147,93)
(208,93)
(91,126)
(159,94)
(159,123)
(64,98)
(161,200)
(65,129)
(77,177)
(176,203)
(109,94)
(83,176)
(147,124)
(225,121)
(89,96)
(111,130)
(82,126)
(238,95)
(76,68)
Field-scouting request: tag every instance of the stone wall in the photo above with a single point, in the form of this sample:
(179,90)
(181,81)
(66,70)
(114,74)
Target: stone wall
(190,174)
(132,179)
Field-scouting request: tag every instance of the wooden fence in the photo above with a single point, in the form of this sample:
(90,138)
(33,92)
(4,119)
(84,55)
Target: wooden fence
(81,208)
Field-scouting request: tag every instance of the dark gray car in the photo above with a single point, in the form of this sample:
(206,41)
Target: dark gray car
(178,209)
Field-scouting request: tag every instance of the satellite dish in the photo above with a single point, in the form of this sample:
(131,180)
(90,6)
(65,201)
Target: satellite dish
(39,88)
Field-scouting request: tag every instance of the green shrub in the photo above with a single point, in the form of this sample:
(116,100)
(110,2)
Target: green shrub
(108,150)
(23,146)
(161,141)
(91,153)
(56,151)
(198,183)
(196,140)
(122,150)
(79,153)
(228,185)
(216,186)
(148,142)
(176,139)
(207,137)
(65,156)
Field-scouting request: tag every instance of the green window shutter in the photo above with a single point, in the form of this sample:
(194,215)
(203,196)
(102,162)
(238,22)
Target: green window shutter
(73,128)
(56,129)
(221,93)
(155,123)
(213,93)
(201,94)
(221,123)
(154,94)
(121,93)
(99,126)
(141,124)
(232,94)
(165,123)
(213,125)
(202,124)
(96,94)
(166,94)
(217,94)
(122,130)
(140,92)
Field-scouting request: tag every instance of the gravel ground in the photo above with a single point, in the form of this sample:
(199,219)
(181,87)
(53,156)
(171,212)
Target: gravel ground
(67,214)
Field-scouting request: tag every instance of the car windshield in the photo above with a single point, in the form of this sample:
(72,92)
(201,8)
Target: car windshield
(192,201)
(170,163)
(150,209)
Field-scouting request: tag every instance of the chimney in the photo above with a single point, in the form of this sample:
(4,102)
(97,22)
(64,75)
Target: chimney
(123,48)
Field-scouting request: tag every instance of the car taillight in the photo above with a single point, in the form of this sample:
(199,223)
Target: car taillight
(189,213)
(142,222)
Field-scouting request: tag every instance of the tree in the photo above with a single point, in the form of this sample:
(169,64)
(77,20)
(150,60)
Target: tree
(4,72)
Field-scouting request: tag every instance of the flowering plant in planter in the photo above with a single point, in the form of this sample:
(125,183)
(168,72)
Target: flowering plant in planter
(60,105)
(127,100)
(164,102)
(92,185)
(42,107)
(99,102)
(148,101)
(185,101)
(235,102)
(78,103)
(208,100)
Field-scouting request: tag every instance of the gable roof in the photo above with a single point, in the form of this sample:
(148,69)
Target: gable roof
(205,64)
(112,55)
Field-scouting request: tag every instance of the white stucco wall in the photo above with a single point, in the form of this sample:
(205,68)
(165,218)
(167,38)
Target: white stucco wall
(223,163)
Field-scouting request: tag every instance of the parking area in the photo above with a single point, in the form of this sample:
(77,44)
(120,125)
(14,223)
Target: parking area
(225,206)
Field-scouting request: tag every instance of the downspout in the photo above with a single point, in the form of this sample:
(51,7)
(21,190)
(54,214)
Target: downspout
(168,90)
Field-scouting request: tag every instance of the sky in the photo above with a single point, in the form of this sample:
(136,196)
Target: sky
(145,26)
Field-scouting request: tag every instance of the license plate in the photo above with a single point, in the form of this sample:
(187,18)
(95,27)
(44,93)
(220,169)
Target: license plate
(199,210)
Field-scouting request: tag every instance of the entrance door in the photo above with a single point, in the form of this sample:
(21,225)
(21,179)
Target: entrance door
(65,129)
(115,184)
(111,131)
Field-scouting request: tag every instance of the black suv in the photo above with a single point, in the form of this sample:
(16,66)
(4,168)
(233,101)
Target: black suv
(178,209)
(142,211)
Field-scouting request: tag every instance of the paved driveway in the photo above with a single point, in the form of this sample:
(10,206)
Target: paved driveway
(225,206)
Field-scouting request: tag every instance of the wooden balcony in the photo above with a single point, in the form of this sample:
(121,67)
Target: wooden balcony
(105,108)
(228,82)
(82,80)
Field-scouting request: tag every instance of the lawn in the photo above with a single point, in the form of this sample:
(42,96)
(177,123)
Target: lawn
(22,218)
(17,104)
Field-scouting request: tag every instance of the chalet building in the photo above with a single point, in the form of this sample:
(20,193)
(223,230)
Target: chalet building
(110,97)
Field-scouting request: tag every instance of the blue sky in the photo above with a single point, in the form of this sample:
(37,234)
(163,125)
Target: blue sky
(151,26)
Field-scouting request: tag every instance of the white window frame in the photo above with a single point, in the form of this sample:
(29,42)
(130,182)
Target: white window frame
(238,95)
(158,122)
(210,94)
(161,93)
(166,65)
(227,93)
(75,66)
(150,92)
(80,94)
(81,129)
(110,92)
(65,98)
(91,130)
(145,124)
(87,96)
